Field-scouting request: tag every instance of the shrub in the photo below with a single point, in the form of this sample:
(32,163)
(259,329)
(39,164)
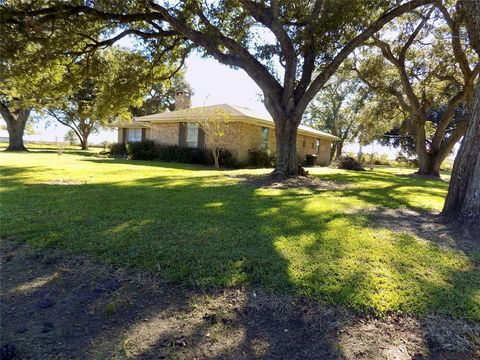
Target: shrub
(118,149)
(382,159)
(403,161)
(349,163)
(261,158)
(226,159)
(190,156)
(142,150)
(150,150)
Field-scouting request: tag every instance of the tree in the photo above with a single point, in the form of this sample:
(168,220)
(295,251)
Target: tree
(109,85)
(463,199)
(215,124)
(26,85)
(71,137)
(161,96)
(35,70)
(304,41)
(336,108)
(430,71)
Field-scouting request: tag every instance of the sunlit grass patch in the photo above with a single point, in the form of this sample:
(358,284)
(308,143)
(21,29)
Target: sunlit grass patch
(195,225)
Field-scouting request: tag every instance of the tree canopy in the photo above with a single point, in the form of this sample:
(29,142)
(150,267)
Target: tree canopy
(428,69)
(289,48)
(337,108)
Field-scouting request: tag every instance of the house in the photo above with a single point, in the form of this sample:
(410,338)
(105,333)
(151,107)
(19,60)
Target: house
(247,130)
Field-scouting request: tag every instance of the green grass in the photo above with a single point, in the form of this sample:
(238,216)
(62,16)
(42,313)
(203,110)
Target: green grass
(199,226)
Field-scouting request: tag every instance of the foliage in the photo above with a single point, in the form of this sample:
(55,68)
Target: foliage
(307,40)
(118,149)
(70,137)
(150,150)
(161,95)
(336,107)
(200,226)
(405,161)
(215,124)
(109,85)
(349,163)
(423,80)
(142,150)
(261,158)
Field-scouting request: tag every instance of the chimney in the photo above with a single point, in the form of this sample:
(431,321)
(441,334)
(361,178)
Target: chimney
(182,99)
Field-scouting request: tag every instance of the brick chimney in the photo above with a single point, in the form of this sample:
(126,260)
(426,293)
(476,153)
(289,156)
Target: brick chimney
(182,100)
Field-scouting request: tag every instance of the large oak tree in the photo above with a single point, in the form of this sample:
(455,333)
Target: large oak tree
(429,69)
(289,48)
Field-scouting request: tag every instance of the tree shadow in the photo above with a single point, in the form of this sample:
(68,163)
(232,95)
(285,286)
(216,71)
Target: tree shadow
(210,233)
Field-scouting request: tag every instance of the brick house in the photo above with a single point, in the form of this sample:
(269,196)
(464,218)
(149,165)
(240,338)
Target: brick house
(247,130)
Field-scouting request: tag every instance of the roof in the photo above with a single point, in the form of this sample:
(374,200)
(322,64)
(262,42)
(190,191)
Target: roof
(232,111)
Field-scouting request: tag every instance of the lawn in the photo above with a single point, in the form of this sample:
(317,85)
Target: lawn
(203,227)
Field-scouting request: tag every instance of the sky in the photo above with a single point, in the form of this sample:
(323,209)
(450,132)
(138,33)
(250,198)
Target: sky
(213,83)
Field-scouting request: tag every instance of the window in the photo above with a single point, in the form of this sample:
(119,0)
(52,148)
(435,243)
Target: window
(192,135)
(134,135)
(304,143)
(264,138)
(313,145)
(318,146)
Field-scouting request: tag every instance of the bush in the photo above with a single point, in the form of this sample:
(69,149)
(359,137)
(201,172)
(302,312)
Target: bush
(150,150)
(118,149)
(226,159)
(349,163)
(261,158)
(142,150)
(403,161)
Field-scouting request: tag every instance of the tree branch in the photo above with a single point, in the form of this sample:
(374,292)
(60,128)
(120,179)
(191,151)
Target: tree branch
(323,77)
(446,120)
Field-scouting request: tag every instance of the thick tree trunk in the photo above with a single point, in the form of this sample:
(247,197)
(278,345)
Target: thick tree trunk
(463,200)
(84,143)
(16,122)
(338,152)
(333,150)
(286,141)
(83,137)
(429,165)
(15,137)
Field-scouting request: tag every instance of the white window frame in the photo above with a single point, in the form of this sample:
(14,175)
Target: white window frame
(191,135)
(134,134)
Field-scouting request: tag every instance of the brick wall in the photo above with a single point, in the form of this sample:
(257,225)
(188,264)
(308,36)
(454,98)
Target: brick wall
(240,138)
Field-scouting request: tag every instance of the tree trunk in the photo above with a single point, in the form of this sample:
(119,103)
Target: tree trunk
(360,153)
(339,146)
(333,150)
(16,123)
(216,155)
(286,141)
(429,165)
(84,142)
(463,199)
(82,137)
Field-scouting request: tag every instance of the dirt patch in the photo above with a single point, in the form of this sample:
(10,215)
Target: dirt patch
(427,226)
(55,305)
(269,181)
